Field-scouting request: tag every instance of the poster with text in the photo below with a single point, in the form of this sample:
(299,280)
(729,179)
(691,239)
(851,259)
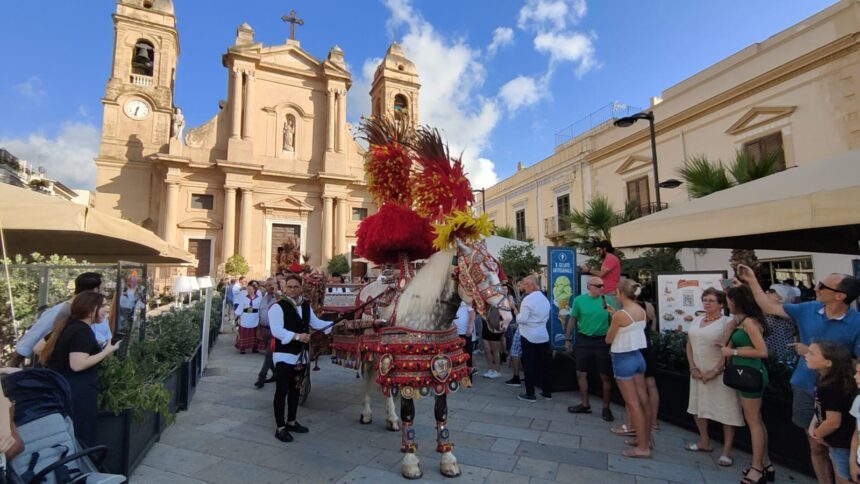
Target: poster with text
(679,297)
(561,289)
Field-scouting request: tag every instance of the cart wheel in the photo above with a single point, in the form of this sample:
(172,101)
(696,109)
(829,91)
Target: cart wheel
(306,386)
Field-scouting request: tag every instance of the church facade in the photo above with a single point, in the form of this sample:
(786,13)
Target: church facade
(276,163)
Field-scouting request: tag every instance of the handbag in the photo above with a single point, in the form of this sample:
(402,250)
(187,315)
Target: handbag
(743,378)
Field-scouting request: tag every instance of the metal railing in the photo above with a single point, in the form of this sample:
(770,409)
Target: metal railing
(639,211)
(611,111)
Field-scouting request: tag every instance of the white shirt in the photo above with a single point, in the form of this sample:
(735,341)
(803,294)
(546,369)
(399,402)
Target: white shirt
(855,412)
(236,289)
(629,338)
(534,314)
(102,332)
(128,299)
(276,324)
(461,320)
(251,319)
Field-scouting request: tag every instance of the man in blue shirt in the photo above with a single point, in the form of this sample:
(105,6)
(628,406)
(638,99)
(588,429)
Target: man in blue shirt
(829,318)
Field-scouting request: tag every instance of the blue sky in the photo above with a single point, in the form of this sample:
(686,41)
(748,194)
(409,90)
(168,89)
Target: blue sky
(552,63)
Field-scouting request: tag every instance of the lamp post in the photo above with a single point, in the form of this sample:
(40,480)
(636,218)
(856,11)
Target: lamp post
(628,121)
(181,285)
(483,199)
(205,283)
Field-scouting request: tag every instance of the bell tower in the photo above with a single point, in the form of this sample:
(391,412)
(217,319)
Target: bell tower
(394,91)
(137,108)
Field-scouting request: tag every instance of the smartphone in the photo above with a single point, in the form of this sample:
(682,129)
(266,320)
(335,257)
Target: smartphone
(726,284)
(603,298)
(117,337)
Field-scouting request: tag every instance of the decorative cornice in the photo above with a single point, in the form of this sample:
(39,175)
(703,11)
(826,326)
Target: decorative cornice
(200,223)
(633,163)
(800,65)
(769,114)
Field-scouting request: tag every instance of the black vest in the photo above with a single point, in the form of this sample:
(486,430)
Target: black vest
(294,323)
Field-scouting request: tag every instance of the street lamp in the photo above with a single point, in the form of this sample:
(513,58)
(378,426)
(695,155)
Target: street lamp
(483,199)
(628,121)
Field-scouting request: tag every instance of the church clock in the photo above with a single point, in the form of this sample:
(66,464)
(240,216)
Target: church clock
(136,109)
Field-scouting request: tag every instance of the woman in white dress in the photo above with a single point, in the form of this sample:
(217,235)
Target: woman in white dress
(710,399)
(248,309)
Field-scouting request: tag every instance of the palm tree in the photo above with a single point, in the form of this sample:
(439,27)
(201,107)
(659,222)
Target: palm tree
(590,226)
(506,231)
(704,177)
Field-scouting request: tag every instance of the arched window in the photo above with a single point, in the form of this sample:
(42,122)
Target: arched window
(143,58)
(401,108)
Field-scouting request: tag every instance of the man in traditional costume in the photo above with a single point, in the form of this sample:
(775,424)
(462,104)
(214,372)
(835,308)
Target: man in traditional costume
(248,309)
(264,333)
(290,320)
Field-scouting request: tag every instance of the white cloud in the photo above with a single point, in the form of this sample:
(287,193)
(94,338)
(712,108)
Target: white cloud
(521,91)
(33,89)
(67,158)
(553,15)
(502,36)
(451,76)
(572,47)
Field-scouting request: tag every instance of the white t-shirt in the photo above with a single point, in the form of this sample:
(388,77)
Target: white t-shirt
(534,313)
(462,319)
(855,412)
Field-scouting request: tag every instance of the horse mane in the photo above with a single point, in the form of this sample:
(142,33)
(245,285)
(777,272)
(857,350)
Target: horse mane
(431,284)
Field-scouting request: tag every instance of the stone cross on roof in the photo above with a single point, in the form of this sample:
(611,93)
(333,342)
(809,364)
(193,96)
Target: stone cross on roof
(293,20)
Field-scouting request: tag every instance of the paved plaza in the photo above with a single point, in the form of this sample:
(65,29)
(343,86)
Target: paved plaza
(227,437)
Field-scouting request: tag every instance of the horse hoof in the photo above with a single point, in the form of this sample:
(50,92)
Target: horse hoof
(450,472)
(448,465)
(392,425)
(412,473)
(363,422)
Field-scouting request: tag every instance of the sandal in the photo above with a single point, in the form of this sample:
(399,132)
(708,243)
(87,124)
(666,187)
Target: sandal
(748,480)
(694,447)
(623,430)
(633,454)
(579,409)
(725,461)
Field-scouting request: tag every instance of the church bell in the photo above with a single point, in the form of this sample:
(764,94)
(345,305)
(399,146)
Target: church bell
(142,55)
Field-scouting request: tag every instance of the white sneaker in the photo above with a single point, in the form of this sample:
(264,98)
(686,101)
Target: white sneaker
(495,374)
(488,374)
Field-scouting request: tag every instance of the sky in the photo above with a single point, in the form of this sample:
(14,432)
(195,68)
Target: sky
(499,77)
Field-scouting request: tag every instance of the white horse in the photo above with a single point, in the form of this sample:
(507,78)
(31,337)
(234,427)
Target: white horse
(429,302)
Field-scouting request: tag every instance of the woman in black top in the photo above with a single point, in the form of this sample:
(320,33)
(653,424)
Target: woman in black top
(72,351)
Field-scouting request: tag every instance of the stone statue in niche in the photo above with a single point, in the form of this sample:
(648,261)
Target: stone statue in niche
(290,133)
(178,124)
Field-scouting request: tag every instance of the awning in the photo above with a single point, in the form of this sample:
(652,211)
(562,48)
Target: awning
(814,207)
(35,222)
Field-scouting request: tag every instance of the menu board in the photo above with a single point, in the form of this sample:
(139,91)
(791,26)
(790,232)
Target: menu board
(679,297)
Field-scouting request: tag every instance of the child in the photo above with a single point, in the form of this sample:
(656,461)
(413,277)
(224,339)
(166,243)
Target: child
(854,455)
(833,396)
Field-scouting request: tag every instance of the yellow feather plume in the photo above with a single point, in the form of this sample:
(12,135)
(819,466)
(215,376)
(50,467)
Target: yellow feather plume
(461,224)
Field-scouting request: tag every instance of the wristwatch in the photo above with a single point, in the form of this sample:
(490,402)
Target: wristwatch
(735,352)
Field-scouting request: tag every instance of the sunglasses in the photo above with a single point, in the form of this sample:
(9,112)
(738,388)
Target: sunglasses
(821,286)
(597,285)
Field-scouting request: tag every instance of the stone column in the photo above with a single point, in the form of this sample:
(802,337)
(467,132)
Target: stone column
(249,100)
(236,105)
(328,223)
(229,231)
(168,229)
(341,121)
(340,227)
(245,224)
(329,145)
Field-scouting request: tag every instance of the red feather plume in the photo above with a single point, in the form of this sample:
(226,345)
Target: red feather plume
(439,184)
(392,231)
(388,161)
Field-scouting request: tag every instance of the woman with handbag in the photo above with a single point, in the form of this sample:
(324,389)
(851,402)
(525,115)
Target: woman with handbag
(745,372)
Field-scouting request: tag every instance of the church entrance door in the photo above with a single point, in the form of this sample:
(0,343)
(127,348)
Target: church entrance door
(282,233)
(202,250)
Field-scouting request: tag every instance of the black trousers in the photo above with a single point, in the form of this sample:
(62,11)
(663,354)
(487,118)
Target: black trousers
(267,361)
(468,348)
(288,381)
(537,366)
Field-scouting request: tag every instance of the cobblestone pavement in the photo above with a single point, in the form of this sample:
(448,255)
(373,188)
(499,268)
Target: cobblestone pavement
(227,436)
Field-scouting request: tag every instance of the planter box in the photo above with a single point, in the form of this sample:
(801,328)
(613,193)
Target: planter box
(171,384)
(128,440)
(787,443)
(189,374)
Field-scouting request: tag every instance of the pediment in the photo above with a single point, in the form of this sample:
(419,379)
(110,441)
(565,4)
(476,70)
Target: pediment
(287,203)
(200,223)
(291,57)
(632,163)
(759,116)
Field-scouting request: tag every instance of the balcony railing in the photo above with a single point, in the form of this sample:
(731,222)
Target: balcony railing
(643,210)
(139,80)
(553,226)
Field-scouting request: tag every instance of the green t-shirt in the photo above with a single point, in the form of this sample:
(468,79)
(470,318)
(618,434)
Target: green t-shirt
(591,318)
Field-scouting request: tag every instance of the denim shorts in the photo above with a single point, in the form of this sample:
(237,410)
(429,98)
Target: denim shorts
(840,459)
(802,408)
(626,365)
(516,345)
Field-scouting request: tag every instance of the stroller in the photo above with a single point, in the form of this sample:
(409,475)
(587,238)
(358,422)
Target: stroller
(51,453)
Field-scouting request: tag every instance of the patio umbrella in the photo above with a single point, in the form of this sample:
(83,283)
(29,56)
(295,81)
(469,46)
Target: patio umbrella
(813,207)
(35,222)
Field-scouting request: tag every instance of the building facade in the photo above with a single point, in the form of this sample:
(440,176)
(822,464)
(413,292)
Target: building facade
(794,94)
(277,162)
